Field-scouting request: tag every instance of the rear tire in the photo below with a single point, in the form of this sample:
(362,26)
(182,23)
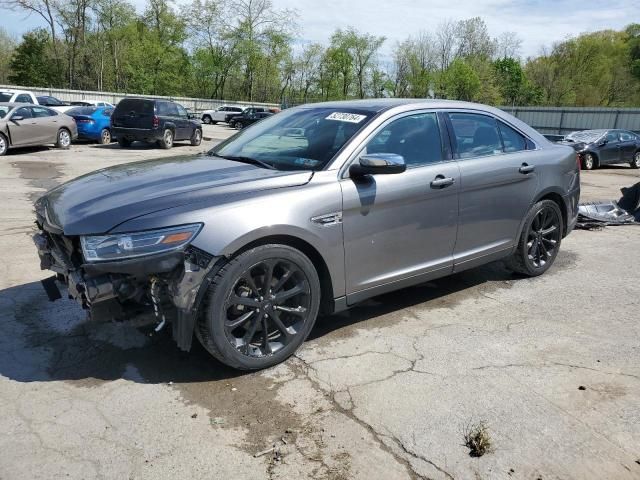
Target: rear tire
(105,137)
(239,125)
(272,288)
(63,139)
(196,138)
(4,145)
(539,241)
(635,163)
(167,139)
(124,142)
(589,161)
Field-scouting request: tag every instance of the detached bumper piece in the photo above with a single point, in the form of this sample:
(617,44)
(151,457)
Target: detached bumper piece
(159,289)
(597,215)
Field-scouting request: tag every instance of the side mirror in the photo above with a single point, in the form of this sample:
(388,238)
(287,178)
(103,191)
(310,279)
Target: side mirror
(603,142)
(17,118)
(378,164)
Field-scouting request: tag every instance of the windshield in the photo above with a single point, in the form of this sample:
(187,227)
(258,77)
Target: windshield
(297,139)
(586,136)
(4,110)
(5,96)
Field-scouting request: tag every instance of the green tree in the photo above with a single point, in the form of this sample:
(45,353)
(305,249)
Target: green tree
(460,81)
(7,47)
(31,64)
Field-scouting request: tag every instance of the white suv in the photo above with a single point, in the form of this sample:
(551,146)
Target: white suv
(218,115)
(18,96)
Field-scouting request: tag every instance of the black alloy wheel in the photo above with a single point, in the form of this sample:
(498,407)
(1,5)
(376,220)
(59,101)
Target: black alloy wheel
(539,241)
(267,307)
(261,306)
(544,237)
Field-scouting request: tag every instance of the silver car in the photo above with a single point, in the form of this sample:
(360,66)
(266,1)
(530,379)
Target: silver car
(23,125)
(305,213)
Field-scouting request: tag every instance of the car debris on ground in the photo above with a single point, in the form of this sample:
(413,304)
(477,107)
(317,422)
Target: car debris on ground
(597,215)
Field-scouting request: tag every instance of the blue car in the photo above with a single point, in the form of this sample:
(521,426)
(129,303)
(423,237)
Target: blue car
(94,123)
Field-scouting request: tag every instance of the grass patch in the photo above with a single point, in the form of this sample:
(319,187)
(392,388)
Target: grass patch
(477,439)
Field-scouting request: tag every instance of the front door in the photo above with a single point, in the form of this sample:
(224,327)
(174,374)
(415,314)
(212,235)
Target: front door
(401,228)
(22,131)
(499,183)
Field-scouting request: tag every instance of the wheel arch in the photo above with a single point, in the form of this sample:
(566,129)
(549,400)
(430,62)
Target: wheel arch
(324,275)
(556,197)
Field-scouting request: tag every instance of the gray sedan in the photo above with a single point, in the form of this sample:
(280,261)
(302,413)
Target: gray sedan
(306,212)
(23,125)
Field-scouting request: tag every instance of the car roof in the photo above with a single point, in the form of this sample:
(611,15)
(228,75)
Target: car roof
(14,104)
(9,90)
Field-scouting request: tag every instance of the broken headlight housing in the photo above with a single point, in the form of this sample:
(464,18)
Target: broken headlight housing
(100,248)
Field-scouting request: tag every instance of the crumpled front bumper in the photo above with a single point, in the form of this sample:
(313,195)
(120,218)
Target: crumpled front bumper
(160,289)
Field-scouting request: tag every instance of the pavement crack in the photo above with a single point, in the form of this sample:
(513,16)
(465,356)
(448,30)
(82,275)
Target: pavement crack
(303,367)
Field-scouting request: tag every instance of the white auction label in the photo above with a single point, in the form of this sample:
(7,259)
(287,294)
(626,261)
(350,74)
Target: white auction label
(346,117)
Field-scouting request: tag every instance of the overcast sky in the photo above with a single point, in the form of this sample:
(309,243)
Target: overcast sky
(537,22)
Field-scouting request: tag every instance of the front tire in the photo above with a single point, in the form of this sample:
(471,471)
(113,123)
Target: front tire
(539,241)
(207,119)
(635,163)
(261,306)
(4,145)
(63,139)
(589,161)
(167,139)
(196,138)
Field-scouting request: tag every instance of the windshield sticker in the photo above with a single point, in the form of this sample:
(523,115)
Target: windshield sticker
(346,117)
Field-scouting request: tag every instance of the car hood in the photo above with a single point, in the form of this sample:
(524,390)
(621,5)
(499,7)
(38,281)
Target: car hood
(577,146)
(99,201)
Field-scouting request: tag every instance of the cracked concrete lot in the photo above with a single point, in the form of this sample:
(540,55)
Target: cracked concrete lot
(385,391)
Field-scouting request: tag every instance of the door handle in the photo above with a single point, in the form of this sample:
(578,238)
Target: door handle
(442,182)
(525,169)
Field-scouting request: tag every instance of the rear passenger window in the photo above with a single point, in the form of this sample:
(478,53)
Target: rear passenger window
(512,140)
(475,135)
(40,112)
(627,137)
(415,137)
(24,99)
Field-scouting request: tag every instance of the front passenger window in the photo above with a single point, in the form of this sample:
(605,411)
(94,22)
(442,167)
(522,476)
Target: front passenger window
(24,112)
(475,135)
(415,137)
(612,137)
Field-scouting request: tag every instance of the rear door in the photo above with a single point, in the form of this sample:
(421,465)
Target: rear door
(183,124)
(610,151)
(627,145)
(48,124)
(498,184)
(134,113)
(23,131)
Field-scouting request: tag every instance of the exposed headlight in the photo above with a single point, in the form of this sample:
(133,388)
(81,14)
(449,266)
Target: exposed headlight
(138,244)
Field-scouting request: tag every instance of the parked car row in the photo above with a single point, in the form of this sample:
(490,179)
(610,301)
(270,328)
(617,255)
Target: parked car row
(237,117)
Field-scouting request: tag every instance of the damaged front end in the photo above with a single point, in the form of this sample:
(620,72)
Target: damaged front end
(141,279)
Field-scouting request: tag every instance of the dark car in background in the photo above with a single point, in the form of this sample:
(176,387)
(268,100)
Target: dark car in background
(246,119)
(154,121)
(49,101)
(247,111)
(603,147)
(94,123)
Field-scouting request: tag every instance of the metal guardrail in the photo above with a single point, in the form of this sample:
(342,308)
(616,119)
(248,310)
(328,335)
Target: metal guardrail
(195,104)
(563,120)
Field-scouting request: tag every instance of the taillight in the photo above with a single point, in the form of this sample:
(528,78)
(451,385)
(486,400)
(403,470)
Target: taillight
(579,161)
(84,120)
(156,121)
